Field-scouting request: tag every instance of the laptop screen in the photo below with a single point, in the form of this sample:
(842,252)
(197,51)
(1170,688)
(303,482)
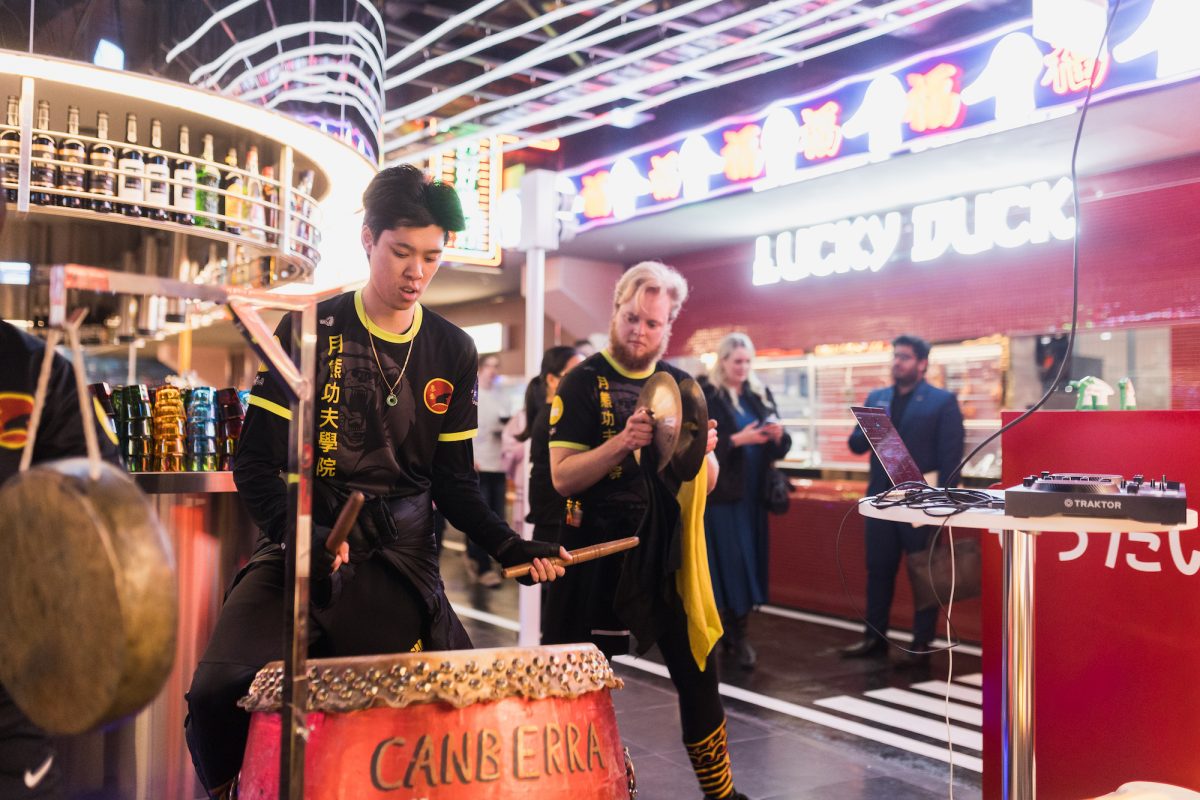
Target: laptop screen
(888,446)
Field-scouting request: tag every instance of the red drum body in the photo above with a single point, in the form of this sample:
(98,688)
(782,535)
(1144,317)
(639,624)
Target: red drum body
(478,724)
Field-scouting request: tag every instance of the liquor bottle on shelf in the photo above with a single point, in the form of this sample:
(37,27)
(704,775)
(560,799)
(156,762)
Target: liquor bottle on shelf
(184,190)
(303,209)
(158,193)
(10,150)
(231,201)
(271,199)
(131,183)
(208,203)
(103,157)
(42,172)
(253,210)
(72,150)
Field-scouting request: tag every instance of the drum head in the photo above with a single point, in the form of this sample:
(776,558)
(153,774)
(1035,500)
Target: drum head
(660,394)
(88,600)
(693,433)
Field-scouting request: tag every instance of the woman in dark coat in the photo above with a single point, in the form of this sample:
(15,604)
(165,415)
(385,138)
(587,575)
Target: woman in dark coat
(750,438)
(546,507)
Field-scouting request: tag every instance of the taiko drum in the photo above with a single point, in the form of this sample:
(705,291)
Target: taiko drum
(479,724)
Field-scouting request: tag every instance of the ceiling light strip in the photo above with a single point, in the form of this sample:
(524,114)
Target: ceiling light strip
(335,71)
(621,90)
(456,21)
(538,55)
(372,81)
(629,58)
(208,25)
(217,68)
(749,72)
(494,39)
(580,76)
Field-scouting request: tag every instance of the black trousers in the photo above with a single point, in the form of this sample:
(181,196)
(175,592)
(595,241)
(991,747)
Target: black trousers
(26,756)
(886,542)
(377,611)
(700,709)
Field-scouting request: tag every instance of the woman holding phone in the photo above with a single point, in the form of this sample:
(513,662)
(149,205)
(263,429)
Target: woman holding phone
(750,438)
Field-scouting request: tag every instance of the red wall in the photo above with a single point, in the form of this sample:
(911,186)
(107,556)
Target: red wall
(1116,648)
(1139,265)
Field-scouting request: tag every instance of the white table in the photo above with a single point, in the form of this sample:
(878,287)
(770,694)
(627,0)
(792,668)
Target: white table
(1016,710)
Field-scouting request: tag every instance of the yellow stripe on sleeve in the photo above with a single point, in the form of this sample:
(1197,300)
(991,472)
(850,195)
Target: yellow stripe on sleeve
(571,446)
(274,408)
(459,436)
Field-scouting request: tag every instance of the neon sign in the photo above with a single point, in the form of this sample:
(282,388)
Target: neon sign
(1006,218)
(474,170)
(1017,75)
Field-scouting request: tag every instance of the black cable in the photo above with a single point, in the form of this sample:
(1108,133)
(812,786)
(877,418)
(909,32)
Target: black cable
(1062,367)
(951,631)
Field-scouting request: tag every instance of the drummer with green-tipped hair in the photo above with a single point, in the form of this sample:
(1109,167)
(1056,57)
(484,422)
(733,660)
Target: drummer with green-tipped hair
(395,410)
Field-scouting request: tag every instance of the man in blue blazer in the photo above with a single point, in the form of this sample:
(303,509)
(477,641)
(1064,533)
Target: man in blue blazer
(931,425)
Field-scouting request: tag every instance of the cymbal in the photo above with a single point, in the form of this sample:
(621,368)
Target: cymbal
(693,433)
(660,394)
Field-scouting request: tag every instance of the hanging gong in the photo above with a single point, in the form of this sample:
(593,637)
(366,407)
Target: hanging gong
(88,600)
(693,432)
(660,394)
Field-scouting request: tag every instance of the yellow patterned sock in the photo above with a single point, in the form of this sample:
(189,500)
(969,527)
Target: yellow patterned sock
(710,762)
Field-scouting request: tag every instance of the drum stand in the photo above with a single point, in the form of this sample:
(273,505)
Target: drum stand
(244,305)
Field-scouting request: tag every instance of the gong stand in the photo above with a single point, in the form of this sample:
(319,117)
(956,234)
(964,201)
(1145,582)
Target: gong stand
(244,305)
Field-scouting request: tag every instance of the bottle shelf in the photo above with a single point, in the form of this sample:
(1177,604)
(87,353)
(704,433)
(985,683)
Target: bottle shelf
(279,216)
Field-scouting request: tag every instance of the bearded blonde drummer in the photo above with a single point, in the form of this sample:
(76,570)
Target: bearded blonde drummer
(596,427)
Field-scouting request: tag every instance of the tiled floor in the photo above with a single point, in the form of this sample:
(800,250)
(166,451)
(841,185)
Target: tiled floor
(804,725)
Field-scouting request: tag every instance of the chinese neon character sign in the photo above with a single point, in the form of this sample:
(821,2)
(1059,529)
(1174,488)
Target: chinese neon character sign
(742,154)
(820,133)
(934,100)
(1068,72)
(596,202)
(666,181)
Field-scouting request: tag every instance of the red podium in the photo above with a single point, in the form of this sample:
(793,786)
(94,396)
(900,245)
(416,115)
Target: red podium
(1117,616)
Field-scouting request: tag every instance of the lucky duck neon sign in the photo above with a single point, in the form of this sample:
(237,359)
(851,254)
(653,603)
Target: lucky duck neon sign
(1007,218)
(1007,78)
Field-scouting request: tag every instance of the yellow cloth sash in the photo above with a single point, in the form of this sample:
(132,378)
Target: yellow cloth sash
(693,581)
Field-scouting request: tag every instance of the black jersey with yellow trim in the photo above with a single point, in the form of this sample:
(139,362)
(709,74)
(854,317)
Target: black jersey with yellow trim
(593,403)
(60,431)
(360,440)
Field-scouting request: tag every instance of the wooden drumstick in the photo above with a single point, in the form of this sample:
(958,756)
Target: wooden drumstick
(345,521)
(589,553)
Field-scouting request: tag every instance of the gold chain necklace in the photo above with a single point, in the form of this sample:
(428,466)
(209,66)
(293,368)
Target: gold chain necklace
(391,397)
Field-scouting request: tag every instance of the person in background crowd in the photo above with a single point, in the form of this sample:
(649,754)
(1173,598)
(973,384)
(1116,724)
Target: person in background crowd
(27,759)
(546,506)
(493,482)
(585,347)
(393,417)
(751,438)
(596,426)
(931,425)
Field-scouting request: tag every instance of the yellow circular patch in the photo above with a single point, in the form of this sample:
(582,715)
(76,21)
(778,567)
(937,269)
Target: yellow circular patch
(556,410)
(437,395)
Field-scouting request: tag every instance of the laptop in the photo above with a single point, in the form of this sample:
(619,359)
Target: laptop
(888,446)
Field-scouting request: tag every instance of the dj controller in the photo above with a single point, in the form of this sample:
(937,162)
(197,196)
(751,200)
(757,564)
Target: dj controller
(1079,494)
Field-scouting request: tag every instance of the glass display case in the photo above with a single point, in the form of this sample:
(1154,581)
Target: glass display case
(815,392)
